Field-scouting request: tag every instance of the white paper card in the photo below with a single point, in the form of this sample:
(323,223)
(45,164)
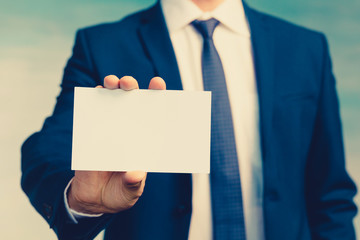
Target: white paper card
(149,130)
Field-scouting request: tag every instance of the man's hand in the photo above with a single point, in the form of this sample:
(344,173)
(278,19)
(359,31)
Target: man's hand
(109,192)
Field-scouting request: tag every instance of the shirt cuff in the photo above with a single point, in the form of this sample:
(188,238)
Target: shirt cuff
(75,215)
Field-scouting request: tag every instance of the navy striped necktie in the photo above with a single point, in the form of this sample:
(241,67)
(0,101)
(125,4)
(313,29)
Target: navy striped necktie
(226,198)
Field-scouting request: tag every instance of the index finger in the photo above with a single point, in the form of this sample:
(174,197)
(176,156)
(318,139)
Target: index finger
(157,83)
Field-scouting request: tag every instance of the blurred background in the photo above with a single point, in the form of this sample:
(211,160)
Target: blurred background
(36,40)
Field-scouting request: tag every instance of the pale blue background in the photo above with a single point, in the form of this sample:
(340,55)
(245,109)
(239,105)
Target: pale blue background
(36,38)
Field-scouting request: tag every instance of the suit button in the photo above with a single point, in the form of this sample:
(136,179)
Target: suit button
(47,210)
(272,196)
(182,210)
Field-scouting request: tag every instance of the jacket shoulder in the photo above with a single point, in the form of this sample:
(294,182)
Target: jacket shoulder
(291,33)
(292,38)
(285,25)
(126,25)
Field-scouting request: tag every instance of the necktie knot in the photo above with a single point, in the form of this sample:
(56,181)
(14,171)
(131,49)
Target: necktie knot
(206,28)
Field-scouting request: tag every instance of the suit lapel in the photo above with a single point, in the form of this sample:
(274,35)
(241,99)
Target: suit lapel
(156,41)
(157,44)
(263,51)
(264,60)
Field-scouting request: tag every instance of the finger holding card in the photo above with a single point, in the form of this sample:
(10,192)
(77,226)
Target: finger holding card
(96,192)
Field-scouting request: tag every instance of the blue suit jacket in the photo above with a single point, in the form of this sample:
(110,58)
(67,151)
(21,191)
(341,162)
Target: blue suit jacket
(307,192)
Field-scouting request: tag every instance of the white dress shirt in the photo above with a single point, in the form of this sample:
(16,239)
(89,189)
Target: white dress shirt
(233,43)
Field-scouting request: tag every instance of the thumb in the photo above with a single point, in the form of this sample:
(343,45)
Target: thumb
(134,179)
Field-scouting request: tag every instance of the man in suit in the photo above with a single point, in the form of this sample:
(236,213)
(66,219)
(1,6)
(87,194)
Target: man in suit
(293,179)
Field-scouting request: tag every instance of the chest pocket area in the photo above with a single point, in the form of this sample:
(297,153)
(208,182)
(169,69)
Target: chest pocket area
(293,123)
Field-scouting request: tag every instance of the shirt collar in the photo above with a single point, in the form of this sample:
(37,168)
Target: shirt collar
(180,13)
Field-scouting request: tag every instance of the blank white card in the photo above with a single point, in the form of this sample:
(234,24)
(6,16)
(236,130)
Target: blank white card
(148,130)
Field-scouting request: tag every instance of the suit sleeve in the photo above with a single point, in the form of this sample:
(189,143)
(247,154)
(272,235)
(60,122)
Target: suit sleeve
(46,155)
(329,189)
